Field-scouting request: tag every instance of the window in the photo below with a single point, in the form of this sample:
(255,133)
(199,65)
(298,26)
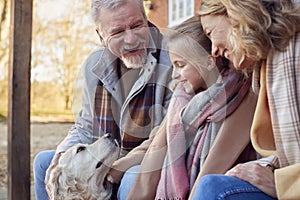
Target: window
(180,10)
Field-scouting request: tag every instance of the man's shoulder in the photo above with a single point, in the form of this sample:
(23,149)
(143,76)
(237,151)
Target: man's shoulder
(91,62)
(100,56)
(95,56)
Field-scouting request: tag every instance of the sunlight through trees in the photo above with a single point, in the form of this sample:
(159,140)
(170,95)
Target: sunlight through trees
(63,35)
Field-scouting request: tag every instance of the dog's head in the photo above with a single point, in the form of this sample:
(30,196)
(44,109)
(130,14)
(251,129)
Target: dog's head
(81,171)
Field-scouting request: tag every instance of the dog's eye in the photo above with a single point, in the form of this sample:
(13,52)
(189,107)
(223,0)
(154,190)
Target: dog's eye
(81,148)
(98,164)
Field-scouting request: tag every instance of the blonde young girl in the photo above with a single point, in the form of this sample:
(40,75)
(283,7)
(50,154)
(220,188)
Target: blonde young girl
(205,93)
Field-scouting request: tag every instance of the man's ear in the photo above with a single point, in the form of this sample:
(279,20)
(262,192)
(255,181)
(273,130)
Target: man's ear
(100,37)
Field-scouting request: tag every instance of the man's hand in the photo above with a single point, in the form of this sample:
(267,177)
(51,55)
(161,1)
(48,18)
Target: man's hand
(53,163)
(259,176)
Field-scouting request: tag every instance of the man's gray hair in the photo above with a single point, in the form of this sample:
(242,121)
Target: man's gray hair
(97,5)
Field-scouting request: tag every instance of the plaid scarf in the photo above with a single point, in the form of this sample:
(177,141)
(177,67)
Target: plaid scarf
(224,101)
(280,78)
(283,89)
(138,120)
(210,107)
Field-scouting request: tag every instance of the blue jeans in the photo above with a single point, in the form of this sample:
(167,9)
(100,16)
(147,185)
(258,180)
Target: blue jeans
(40,165)
(127,182)
(221,187)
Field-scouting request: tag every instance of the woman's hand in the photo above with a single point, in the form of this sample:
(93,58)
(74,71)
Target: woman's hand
(259,176)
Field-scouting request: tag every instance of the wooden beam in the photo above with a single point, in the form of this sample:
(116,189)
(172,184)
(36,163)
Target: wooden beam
(19,100)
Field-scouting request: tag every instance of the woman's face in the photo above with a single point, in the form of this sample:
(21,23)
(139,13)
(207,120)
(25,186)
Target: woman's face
(219,28)
(185,71)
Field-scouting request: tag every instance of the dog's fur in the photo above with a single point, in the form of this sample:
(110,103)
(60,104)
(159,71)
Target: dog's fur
(81,171)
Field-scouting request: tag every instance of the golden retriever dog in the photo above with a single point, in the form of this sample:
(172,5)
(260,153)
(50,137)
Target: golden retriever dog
(81,171)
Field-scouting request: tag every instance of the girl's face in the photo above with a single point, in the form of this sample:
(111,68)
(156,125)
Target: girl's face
(185,71)
(219,28)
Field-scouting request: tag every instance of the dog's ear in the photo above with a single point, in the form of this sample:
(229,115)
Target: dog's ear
(53,182)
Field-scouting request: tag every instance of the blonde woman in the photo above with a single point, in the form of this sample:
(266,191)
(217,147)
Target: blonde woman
(262,35)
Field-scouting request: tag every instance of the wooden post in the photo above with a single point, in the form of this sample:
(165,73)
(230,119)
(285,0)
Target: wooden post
(19,100)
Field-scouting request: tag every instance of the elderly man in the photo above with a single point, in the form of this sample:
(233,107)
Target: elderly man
(125,89)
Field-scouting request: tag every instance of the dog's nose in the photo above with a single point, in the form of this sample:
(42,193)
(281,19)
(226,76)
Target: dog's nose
(110,137)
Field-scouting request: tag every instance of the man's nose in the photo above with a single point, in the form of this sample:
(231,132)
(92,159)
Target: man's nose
(130,36)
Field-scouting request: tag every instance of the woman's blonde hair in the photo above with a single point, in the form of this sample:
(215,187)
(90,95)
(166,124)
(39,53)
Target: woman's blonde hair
(258,24)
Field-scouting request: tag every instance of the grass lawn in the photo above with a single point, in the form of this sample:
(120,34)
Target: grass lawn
(2,118)
(46,115)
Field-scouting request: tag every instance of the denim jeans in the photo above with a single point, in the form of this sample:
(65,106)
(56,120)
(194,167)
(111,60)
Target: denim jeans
(127,182)
(221,187)
(40,165)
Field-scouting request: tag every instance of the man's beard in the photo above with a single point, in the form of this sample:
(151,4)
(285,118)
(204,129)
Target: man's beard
(135,61)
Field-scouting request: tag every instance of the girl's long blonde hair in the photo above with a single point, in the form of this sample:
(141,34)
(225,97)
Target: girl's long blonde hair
(195,45)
